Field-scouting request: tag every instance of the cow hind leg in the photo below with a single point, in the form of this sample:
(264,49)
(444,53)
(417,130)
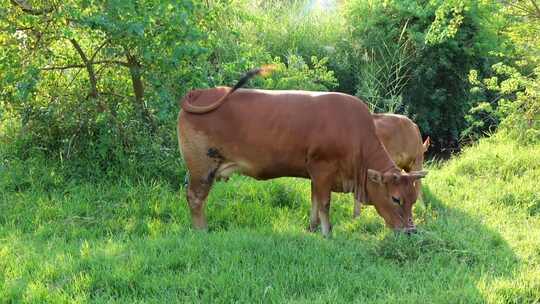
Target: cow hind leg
(417,166)
(202,171)
(197,192)
(202,161)
(202,176)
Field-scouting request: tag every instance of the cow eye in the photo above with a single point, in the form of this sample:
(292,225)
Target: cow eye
(396,200)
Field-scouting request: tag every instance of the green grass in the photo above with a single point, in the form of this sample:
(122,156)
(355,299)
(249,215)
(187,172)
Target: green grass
(125,241)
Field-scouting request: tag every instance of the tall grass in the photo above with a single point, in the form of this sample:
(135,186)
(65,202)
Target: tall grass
(298,27)
(385,74)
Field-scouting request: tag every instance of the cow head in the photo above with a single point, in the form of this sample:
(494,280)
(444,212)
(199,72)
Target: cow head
(393,193)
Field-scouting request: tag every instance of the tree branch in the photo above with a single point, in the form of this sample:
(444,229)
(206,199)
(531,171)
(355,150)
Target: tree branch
(67,67)
(78,66)
(27,8)
(536,8)
(89,68)
(138,89)
(99,48)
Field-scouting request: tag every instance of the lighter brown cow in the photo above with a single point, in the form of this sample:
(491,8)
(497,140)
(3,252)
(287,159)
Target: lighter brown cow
(327,137)
(402,139)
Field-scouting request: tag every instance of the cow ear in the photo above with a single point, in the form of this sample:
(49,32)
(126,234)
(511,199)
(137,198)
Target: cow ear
(418,174)
(375,176)
(426,144)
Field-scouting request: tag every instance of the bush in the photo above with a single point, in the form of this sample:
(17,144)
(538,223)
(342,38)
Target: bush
(400,67)
(296,74)
(516,102)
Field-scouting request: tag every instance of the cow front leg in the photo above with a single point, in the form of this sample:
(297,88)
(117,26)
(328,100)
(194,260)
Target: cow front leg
(321,191)
(322,175)
(357,208)
(323,199)
(314,221)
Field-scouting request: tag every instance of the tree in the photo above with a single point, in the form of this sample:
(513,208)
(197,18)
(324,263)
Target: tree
(81,71)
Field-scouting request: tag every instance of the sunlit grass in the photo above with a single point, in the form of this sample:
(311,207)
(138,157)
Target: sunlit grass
(70,241)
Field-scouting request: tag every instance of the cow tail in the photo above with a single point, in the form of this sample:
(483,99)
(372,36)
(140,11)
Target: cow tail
(191,108)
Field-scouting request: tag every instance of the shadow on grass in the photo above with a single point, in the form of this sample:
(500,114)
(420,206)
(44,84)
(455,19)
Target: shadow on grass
(258,252)
(445,262)
(246,266)
(449,230)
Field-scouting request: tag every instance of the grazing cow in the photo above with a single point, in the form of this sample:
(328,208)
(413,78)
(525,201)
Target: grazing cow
(402,139)
(327,137)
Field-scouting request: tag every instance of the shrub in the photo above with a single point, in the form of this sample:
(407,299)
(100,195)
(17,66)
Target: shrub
(400,67)
(516,102)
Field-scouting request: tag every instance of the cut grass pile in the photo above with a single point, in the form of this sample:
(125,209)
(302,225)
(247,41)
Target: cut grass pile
(126,241)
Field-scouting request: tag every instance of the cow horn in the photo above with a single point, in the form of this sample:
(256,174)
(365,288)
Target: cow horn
(418,174)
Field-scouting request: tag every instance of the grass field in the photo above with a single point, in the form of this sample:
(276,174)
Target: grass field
(125,241)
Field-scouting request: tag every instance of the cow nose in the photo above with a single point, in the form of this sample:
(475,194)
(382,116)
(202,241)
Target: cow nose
(410,223)
(410,230)
(406,230)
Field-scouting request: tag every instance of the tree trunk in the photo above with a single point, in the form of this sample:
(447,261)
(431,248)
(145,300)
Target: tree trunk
(138,89)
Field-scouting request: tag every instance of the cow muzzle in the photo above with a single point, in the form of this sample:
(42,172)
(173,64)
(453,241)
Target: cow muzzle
(410,227)
(407,227)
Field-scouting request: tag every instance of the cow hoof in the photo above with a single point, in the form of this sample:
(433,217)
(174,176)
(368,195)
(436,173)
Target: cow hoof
(312,229)
(327,234)
(201,228)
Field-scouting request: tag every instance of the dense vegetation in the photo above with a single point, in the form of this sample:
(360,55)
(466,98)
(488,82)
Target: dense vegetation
(91,202)
(100,81)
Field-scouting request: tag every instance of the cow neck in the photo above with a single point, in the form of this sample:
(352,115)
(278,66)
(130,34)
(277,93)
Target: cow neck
(378,159)
(374,157)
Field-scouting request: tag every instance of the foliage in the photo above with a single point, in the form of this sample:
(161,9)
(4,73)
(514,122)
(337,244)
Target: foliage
(385,74)
(99,82)
(301,28)
(448,20)
(296,74)
(420,60)
(517,103)
(510,95)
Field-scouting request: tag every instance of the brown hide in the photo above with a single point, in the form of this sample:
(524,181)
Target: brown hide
(402,139)
(327,137)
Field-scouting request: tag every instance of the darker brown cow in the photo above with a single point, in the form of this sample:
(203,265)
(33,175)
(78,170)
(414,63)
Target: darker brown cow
(402,139)
(327,137)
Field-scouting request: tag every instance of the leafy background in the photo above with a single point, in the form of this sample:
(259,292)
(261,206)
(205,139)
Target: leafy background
(99,81)
(92,207)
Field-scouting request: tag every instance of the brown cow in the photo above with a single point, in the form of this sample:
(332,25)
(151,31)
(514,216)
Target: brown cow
(327,137)
(402,139)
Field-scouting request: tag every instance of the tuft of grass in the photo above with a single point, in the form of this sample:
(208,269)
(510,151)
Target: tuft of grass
(68,240)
